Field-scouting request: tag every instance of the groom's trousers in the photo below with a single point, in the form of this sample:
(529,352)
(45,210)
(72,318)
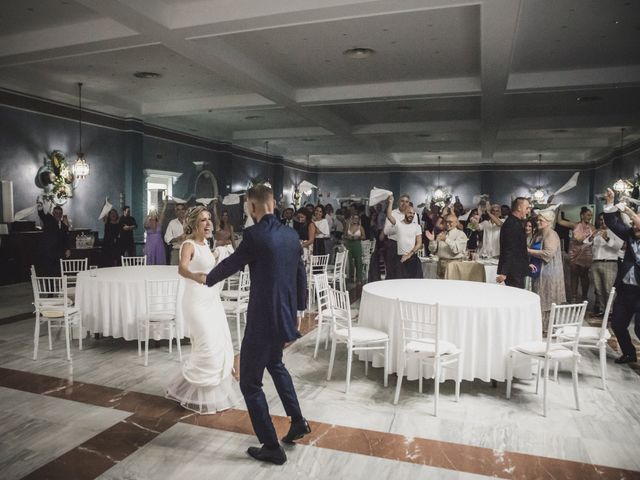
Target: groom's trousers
(255,356)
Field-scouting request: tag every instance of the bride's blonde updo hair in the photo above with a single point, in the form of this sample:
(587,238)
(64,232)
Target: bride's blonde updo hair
(191,219)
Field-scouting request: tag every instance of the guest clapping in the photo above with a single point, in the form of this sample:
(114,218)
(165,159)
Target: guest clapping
(450,245)
(408,241)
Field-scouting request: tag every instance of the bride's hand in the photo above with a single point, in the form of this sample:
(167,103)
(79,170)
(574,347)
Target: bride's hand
(216,254)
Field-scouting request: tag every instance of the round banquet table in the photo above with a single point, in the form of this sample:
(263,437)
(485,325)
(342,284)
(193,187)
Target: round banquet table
(113,299)
(482,319)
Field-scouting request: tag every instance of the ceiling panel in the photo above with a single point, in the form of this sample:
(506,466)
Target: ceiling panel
(422,110)
(18,16)
(569,34)
(427,44)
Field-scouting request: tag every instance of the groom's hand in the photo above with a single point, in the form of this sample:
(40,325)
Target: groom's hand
(202,278)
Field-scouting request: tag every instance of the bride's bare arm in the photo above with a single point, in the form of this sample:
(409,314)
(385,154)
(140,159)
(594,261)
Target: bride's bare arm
(186,255)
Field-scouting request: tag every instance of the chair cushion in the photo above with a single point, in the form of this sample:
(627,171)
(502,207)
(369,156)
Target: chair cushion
(428,346)
(363,334)
(539,349)
(233,307)
(162,317)
(586,333)
(51,312)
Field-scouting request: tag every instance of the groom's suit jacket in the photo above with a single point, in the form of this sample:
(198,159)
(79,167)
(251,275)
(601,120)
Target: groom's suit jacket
(278,279)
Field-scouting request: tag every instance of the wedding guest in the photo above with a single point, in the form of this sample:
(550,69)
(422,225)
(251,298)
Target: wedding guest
(408,241)
(471,230)
(301,223)
(127,226)
(580,253)
(174,235)
(287,217)
(319,235)
(55,241)
(449,245)
(154,246)
(606,246)
(353,237)
(550,282)
(225,228)
(391,259)
(513,265)
(627,302)
(111,240)
(329,216)
(504,211)
(490,229)
(530,230)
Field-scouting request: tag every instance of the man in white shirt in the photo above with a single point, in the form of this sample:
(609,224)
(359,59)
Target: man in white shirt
(606,246)
(174,235)
(408,236)
(490,229)
(392,265)
(450,245)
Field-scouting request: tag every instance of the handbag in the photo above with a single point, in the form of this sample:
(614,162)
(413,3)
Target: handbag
(535,260)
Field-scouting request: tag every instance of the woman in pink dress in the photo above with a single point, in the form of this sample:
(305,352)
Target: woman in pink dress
(154,248)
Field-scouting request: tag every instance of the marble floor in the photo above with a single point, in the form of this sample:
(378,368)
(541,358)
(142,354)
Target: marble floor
(103,416)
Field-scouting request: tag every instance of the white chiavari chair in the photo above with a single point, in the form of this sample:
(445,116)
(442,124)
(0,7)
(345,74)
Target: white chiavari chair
(356,338)
(133,261)
(421,327)
(70,269)
(554,348)
(162,301)
(238,304)
(50,299)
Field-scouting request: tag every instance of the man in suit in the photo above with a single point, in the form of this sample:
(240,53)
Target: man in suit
(54,244)
(278,290)
(627,302)
(513,264)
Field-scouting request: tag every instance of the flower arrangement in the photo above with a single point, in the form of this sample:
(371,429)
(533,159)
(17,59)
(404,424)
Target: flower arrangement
(61,179)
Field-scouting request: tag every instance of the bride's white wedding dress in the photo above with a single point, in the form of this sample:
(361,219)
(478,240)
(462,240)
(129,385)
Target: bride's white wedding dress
(205,384)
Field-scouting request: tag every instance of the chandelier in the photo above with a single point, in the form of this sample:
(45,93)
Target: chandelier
(80,167)
(621,186)
(539,194)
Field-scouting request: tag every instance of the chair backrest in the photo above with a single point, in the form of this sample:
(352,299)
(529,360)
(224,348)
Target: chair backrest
(161,296)
(49,292)
(244,285)
(318,264)
(340,310)
(563,316)
(73,266)
(341,262)
(366,245)
(321,284)
(420,323)
(607,311)
(133,261)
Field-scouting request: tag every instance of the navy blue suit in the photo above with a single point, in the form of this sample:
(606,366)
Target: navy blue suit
(278,290)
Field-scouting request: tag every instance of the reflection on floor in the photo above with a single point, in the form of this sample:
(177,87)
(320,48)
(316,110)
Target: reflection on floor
(103,414)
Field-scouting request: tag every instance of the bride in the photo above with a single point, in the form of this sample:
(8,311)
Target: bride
(206,384)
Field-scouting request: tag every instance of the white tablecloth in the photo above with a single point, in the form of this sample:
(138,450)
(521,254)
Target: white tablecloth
(483,320)
(114,299)
(430,269)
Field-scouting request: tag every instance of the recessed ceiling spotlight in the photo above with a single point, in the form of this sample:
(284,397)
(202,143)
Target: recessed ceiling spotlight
(147,75)
(253,117)
(559,130)
(307,139)
(588,98)
(403,107)
(423,135)
(359,52)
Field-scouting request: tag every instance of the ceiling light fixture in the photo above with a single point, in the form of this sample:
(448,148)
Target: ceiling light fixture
(359,52)
(80,167)
(539,193)
(253,117)
(423,135)
(403,107)
(307,139)
(147,75)
(588,98)
(441,194)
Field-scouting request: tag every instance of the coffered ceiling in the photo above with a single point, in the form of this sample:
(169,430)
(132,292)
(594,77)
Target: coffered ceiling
(471,82)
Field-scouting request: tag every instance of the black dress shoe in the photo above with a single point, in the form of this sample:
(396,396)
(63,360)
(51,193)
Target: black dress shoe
(626,359)
(297,431)
(272,455)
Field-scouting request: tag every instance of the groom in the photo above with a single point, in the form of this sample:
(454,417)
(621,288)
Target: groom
(278,290)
